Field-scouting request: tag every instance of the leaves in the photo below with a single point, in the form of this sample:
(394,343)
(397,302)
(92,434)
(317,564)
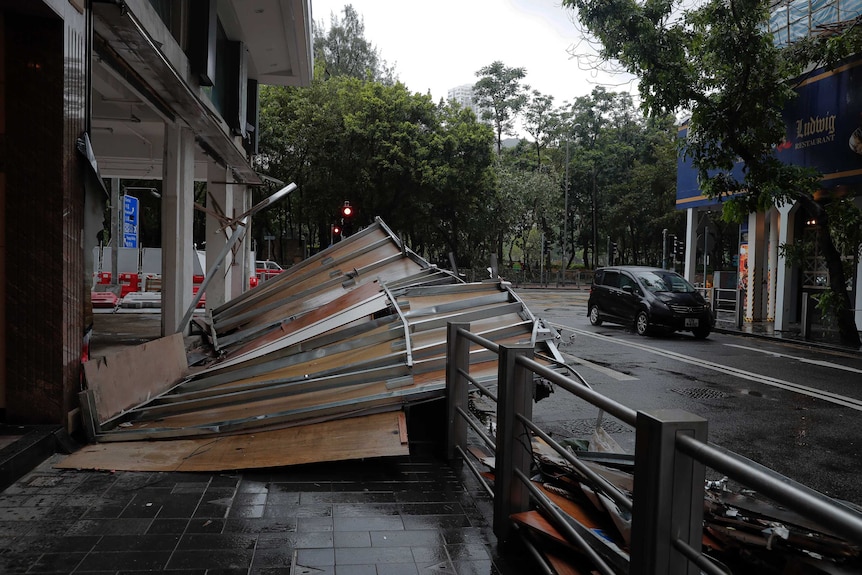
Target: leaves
(500,93)
(392,154)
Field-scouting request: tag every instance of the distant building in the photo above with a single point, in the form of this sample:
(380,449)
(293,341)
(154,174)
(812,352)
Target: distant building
(463,95)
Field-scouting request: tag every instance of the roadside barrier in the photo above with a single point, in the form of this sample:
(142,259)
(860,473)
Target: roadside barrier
(671,456)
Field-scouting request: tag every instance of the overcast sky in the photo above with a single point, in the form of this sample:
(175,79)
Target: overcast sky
(438,45)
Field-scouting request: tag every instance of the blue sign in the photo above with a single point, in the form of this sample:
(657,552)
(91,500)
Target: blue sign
(824,132)
(130,222)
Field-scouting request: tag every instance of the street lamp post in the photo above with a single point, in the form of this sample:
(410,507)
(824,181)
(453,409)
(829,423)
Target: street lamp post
(664,248)
(563,265)
(595,223)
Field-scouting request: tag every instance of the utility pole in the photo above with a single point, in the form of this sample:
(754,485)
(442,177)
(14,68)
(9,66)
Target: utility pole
(705,256)
(664,249)
(595,223)
(565,215)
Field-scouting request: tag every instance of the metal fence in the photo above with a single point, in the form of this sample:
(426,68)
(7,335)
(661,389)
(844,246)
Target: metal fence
(671,456)
(542,277)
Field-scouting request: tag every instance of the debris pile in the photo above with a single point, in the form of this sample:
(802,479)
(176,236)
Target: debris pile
(743,532)
(357,330)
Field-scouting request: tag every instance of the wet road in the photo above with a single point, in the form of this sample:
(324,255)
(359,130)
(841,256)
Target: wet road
(792,408)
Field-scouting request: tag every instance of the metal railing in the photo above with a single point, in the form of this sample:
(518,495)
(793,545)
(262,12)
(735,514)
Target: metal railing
(671,456)
(726,304)
(572,278)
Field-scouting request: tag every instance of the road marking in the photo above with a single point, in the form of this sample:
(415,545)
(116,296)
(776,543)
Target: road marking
(742,374)
(617,375)
(819,362)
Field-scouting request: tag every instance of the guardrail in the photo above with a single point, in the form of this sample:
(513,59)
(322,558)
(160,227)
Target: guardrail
(671,455)
(726,304)
(577,278)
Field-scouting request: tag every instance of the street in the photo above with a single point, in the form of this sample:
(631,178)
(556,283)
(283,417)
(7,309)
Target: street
(795,409)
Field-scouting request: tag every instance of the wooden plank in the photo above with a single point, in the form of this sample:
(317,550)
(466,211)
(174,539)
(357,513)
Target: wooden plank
(132,376)
(375,435)
(402,427)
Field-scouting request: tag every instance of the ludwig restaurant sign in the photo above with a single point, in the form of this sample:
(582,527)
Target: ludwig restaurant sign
(824,132)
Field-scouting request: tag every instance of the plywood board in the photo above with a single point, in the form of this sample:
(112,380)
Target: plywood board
(378,435)
(132,376)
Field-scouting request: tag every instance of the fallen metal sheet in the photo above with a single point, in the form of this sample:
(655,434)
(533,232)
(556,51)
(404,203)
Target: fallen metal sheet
(379,435)
(358,329)
(131,376)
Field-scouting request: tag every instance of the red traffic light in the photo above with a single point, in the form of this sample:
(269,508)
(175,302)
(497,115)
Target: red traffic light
(346,210)
(336,230)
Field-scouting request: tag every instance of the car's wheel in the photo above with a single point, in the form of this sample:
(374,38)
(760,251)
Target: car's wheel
(595,317)
(701,332)
(642,323)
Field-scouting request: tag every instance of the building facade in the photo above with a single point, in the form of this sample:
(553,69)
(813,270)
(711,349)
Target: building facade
(107,90)
(824,131)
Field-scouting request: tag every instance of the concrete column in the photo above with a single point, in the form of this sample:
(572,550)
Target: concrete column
(774,221)
(857,284)
(784,301)
(755,304)
(690,256)
(857,305)
(242,254)
(177,216)
(220,199)
(115,235)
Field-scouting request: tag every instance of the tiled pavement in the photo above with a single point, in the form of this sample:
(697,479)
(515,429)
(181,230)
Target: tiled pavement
(403,516)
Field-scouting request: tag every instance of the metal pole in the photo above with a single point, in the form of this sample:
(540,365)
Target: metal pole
(219,260)
(595,223)
(668,495)
(458,358)
(705,256)
(542,260)
(566,215)
(514,396)
(664,248)
(610,263)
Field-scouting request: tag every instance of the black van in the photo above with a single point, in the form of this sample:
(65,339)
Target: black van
(650,299)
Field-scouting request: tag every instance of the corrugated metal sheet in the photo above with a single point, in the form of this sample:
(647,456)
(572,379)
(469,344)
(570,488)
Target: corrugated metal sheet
(358,329)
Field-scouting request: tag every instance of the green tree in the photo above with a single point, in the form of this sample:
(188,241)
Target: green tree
(501,95)
(719,62)
(531,203)
(343,50)
(540,121)
(423,169)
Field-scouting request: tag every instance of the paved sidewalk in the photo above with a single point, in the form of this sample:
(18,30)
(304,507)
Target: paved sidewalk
(401,516)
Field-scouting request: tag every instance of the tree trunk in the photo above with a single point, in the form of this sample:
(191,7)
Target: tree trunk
(848,333)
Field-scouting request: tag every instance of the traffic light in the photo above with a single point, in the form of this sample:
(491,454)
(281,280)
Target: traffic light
(613,255)
(546,246)
(346,210)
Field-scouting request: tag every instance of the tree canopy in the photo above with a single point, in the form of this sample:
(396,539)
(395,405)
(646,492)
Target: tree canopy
(343,50)
(424,169)
(500,94)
